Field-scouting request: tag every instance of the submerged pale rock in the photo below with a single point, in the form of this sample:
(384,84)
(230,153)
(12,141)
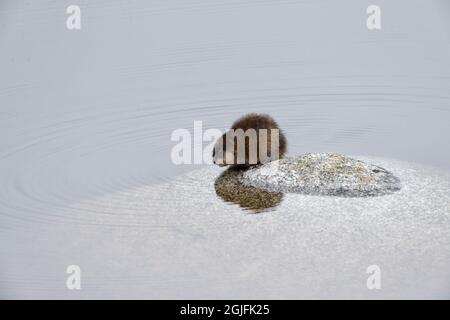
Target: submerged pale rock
(322,174)
(180,234)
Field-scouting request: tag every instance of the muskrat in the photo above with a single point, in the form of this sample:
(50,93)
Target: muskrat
(264,142)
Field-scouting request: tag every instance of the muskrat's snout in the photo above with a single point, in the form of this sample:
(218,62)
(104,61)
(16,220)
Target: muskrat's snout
(253,139)
(217,161)
(223,152)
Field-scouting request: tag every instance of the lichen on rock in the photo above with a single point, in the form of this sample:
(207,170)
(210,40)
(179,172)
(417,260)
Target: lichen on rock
(322,174)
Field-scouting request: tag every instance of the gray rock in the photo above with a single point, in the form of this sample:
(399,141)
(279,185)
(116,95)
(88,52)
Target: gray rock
(322,174)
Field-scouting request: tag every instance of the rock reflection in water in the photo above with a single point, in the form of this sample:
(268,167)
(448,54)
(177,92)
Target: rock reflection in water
(230,189)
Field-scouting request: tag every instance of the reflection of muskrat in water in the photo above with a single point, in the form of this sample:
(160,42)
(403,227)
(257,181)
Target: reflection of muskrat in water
(230,189)
(264,142)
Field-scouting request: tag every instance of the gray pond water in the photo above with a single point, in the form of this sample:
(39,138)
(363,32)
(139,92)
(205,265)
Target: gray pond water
(86,174)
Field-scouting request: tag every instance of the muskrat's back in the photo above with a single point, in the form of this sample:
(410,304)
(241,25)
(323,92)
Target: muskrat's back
(264,127)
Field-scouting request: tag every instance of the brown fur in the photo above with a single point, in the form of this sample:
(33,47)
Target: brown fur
(257,122)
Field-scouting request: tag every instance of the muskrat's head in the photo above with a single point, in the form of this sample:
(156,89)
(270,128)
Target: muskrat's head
(253,139)
(223,156)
